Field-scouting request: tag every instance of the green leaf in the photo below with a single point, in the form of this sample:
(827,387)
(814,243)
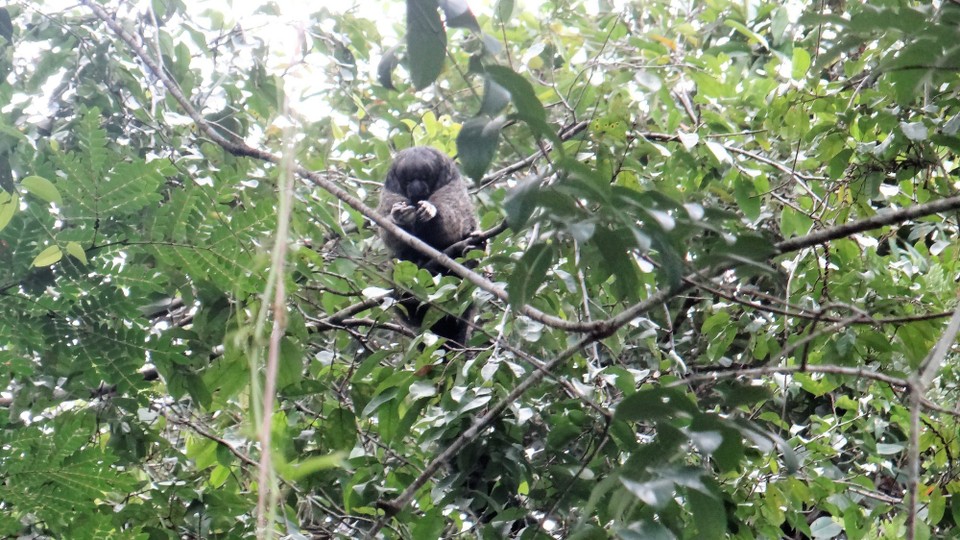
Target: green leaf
(43,188)
(854,524)
(529,108)
(530,273)
(655,404)
(384,397)
(736,394)
(936,507)
(6,25)
(504,11)
(368,365)
(477,144)
(8,207)
(618,259)
(645,530)
(794,223)
(429,525)
(495,98)
(290,368)
(49,256)
(521,93)
(77,252)
(656,493)
(521,202)
(311,465)
(801,63)
(751,250)
(426,42)
(753,36)
(715,437)
(708,85)
(825,527)
(708,514)
(341,432)
(955,509)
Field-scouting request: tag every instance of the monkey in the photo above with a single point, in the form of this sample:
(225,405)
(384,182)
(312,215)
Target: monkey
(425,195)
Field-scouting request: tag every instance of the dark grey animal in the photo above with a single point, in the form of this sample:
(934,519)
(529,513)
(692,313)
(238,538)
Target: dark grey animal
(425,195)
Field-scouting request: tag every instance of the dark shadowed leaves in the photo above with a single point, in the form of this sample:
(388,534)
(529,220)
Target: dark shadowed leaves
(495,97)
(708,514)
(387,64)
(655,404)
(529,274)
(477,144)
(529,108)
(6,25)
(616,253)
(426,42)
(521,202)
(458,14)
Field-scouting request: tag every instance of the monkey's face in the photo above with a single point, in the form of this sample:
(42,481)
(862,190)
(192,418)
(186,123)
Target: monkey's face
(417,172)
(418,190)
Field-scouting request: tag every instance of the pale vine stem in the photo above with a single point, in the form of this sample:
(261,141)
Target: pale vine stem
(267,492)
(918,385)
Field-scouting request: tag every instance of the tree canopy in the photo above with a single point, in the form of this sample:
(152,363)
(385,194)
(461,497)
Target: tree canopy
(718,297)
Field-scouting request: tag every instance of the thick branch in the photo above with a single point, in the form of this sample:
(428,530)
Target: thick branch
(881,219)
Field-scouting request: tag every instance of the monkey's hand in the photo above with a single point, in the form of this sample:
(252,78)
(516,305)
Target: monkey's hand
(426,211)
(403,214)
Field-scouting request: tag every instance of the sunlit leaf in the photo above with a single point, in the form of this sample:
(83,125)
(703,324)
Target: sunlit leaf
(801,63)
(8,207)
(77,252)
(42,188)
(311,465)
(50,255)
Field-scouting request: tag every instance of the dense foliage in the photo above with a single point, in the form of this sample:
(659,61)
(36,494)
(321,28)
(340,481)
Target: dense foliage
(722,305)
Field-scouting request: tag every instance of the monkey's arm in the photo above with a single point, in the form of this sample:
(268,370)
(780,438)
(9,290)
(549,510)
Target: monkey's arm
(398,209)
(455,217)
(388,199)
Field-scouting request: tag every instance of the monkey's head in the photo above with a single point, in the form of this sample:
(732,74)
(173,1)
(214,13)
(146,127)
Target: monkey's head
(418,172)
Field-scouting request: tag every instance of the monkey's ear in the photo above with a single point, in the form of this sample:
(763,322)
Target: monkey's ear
(392,183)
(451,172)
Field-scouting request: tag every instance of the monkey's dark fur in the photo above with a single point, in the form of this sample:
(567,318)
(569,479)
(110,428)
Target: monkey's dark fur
(425,195)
